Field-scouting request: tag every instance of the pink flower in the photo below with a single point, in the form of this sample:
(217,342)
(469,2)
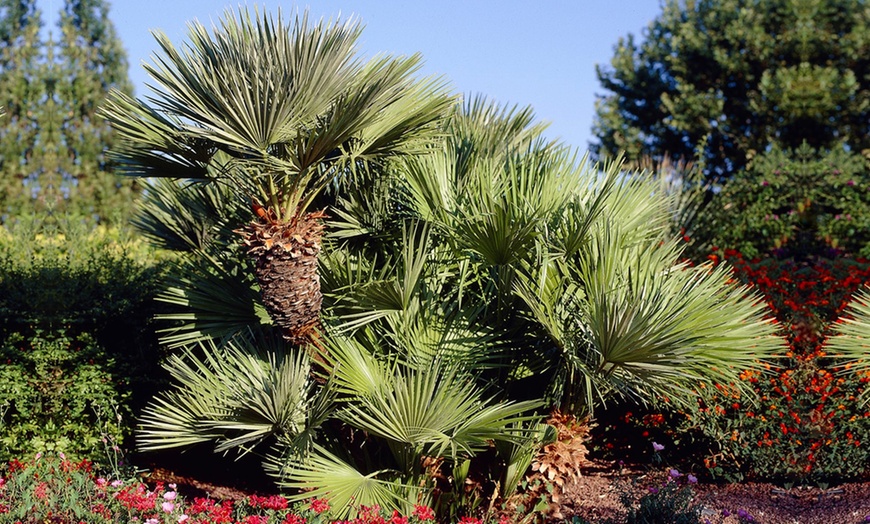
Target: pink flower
(168,507)
(117,483)
(170,495)
(657,446)
(183,518)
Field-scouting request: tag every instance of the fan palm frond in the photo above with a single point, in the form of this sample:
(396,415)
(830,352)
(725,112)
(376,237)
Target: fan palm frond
(188,216)
(323,474)
(215,298)
(289,103)
(432,411)
(629,320)
(236,396)
(850,341)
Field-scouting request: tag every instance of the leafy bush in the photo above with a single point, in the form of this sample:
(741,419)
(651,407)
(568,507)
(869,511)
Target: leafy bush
(798,199)
(58,395)
(808,427)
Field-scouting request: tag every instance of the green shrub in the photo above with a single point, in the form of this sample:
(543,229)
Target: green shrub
(78,351)
(799,199)
(58,394)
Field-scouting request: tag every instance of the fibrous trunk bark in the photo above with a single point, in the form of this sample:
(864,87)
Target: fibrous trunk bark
(285,258)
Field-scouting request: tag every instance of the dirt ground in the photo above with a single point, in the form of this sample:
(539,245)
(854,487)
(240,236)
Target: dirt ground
(595,496)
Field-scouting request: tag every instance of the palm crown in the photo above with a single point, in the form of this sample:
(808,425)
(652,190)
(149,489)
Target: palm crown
(277,112)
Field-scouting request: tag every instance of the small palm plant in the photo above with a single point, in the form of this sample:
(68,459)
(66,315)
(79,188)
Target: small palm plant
(278,113)
(577,268)
(474,268)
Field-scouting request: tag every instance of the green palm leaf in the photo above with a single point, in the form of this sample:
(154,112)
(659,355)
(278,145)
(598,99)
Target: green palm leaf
(216,298)
(288,103)
(850,340)
(631,321)
(324,475)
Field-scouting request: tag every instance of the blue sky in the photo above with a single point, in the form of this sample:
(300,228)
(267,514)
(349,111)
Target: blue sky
(541,54)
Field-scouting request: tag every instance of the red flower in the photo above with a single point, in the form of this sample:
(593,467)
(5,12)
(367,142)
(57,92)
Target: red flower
(423,512)
(319,506)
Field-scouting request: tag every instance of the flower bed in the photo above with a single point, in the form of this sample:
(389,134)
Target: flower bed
(805,427)
(50,488)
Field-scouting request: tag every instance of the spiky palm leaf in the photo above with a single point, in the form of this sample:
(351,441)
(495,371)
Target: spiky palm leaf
(277,112)
(214,298)
(627,319)
(411,302)
(431,410)
(850,340)
(190,216)
(325,474)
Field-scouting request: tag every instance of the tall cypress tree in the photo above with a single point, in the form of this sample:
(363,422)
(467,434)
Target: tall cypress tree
(90,61)
(21,92)
(52,143)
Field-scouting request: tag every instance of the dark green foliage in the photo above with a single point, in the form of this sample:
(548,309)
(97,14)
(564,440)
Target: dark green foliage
(90,61)
(736,77)
(60,394)
(20,92)
(668,504)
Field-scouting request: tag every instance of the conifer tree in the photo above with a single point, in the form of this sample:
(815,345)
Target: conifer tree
(90,61)
(52,143)
(21,91)
(731,78)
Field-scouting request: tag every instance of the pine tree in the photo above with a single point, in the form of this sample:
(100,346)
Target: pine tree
(731,78)
(51,142)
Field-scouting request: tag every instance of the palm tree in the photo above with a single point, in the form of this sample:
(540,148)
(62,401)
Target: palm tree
(278,113)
